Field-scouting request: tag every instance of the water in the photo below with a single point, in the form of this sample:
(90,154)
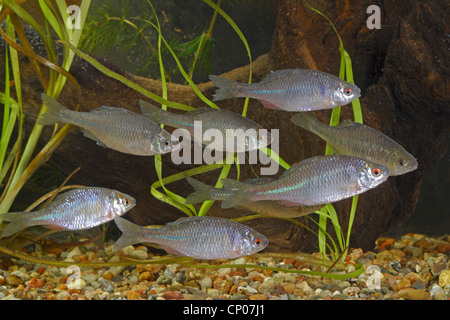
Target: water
(432,214)
(184,20)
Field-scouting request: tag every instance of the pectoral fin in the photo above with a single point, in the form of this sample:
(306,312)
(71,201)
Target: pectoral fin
(89,135)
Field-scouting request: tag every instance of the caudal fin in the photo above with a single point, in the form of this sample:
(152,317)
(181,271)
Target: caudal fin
(239,193)
(152,112)
(131,233)
(201,192)
(227,88)
(54,113)
(305,120)
(17,222)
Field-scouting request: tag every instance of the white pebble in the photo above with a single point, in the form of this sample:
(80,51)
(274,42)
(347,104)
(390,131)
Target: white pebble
(224,270)
(116,269)
(79,284)
(139,254)
(128,251)
(304,286)
(239,261)
(74,252)
(114,258)
(90,277)
(246,289)
(206,283)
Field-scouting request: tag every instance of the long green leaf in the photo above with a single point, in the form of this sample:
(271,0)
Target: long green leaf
(125,81)
(345,72)
(175,199)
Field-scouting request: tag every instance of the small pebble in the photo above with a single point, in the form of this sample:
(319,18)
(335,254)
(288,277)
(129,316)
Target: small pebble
(411,294)
(172,295)
(13,280)
(206,283)
(444,278)
(79,284)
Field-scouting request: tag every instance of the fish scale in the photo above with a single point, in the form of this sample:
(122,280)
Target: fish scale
(77,209)
(196,237)
(314,181)
(291,90)
(222,120)
(359,140)
(272,208)
(116,128)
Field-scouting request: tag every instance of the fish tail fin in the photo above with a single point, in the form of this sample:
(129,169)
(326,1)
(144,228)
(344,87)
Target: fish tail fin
(227,88)
(305,120)
(17,222)
(131,233)
(152,112)
(201,192)
(239,193)
(54,113)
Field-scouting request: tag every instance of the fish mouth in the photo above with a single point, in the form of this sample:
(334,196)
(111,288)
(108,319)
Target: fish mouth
(175,147)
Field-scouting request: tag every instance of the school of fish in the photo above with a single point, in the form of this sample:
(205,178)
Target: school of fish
(364,158)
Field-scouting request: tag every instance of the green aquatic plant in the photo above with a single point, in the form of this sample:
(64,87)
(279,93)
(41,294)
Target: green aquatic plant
(328,211)
(108,27)
(18,164)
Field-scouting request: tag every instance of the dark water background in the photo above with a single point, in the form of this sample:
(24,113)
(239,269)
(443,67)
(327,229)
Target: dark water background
(182,20)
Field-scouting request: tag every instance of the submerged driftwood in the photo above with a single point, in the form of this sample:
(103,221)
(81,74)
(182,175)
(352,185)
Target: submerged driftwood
(401,69)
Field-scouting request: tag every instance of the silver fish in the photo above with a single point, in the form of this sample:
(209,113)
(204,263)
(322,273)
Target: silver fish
(77,209)
(230,124)
(291,90)
(272,208)
(196,237)
(359,140)
(116,128)
(317,180)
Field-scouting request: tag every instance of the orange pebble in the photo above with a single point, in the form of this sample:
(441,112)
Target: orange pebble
(267,273)
(388,242)
(62,286)
(41,270)
(133,295)
(257,277)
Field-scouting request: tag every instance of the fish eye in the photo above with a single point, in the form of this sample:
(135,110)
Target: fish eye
(348,91)
(126,202)
(257,242)
(402,162)
(166,143)
(376,172)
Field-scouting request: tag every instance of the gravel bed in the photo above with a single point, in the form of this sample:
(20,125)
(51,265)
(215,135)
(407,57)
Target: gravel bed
(414,267)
